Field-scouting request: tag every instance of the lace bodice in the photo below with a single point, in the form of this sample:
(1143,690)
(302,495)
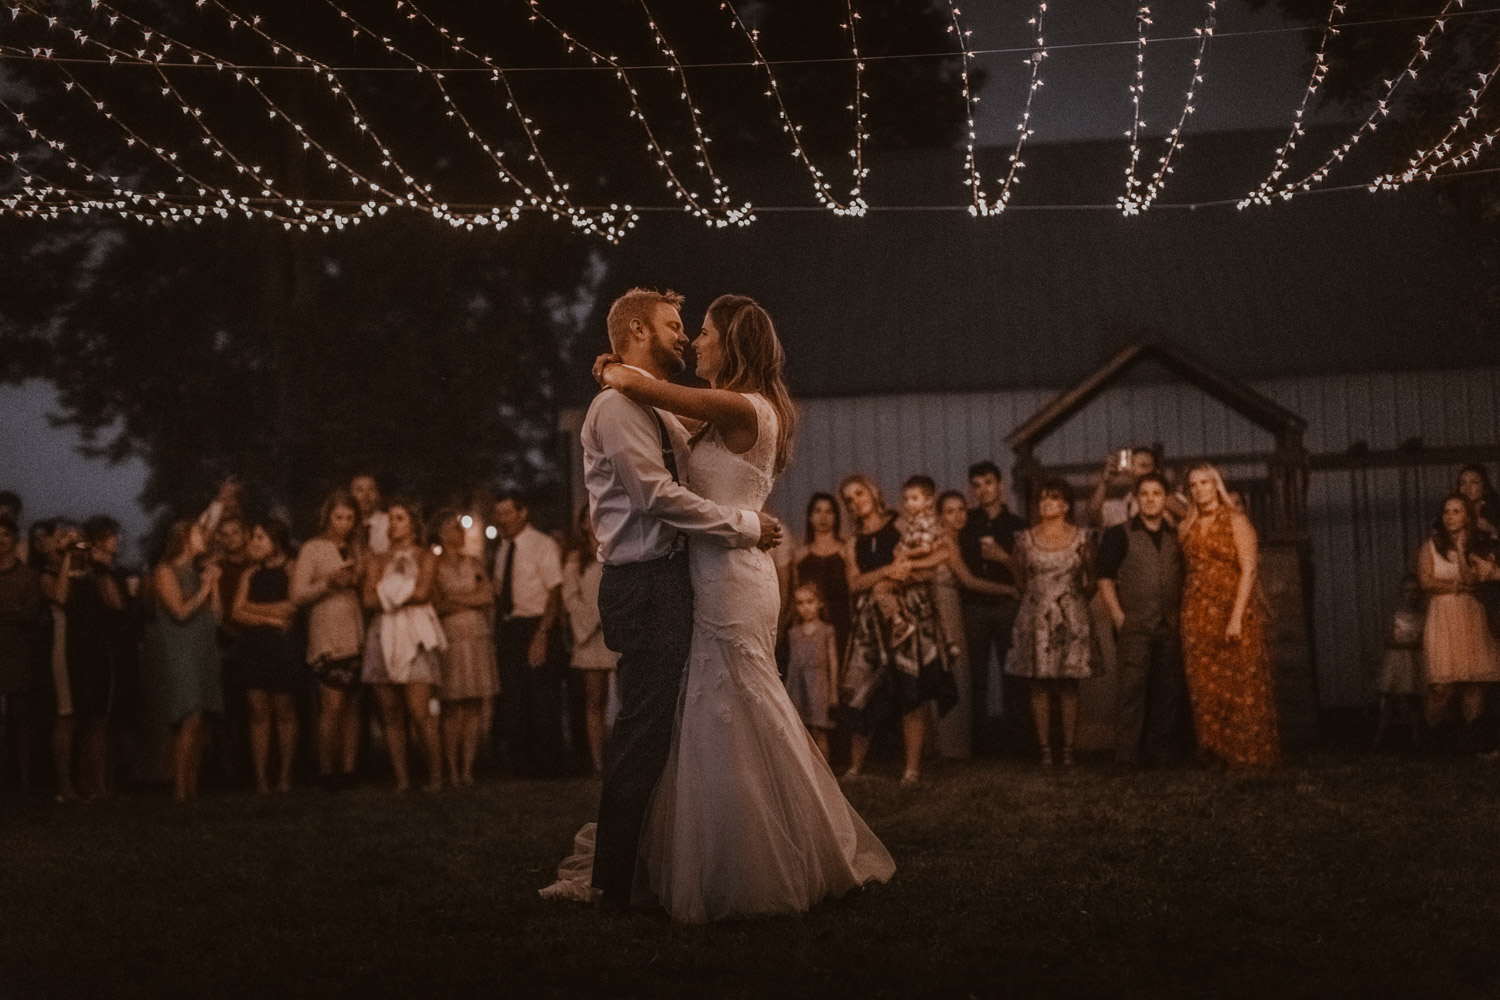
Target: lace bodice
(744,481)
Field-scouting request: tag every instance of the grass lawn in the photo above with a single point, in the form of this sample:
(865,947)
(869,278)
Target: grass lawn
(1343,876)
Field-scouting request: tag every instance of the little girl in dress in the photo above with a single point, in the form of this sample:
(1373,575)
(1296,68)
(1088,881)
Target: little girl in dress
(812,665)
(1401,680)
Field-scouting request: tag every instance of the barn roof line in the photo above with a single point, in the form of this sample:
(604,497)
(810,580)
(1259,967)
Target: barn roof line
(1245,400)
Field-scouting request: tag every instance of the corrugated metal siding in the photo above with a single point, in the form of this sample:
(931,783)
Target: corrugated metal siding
(1364,526)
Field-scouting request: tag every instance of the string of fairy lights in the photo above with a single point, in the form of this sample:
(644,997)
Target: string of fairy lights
(1420,55)
(856,204)
(197,171)
(1425,163)
(1129,201)
(1174,137)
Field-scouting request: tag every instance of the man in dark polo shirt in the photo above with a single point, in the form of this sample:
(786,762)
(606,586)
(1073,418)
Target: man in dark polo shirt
(1140,582)
(986,543)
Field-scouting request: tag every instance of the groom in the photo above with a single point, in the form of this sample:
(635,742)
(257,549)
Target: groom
(643,516)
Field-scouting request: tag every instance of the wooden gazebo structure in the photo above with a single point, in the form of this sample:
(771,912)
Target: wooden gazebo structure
(1278,504)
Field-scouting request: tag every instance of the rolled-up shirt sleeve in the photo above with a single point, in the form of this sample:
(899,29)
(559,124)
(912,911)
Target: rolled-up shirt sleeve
(632,445)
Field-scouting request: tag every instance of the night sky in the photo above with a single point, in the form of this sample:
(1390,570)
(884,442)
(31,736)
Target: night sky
(1250,82)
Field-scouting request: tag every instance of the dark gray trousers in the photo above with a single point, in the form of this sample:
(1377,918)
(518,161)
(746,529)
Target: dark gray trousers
(646,610)
(1151,699)
(987,627)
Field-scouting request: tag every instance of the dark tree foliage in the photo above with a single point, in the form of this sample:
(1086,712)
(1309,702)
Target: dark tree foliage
(428,354)
(1363,58)
(1361,61)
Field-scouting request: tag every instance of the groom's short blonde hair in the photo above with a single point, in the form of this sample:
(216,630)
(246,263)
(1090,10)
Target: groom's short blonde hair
(638,303)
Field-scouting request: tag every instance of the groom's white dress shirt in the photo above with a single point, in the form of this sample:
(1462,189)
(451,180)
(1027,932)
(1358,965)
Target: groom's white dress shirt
(638,511)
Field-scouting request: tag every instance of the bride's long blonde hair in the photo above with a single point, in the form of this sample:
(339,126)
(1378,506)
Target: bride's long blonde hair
(754,362)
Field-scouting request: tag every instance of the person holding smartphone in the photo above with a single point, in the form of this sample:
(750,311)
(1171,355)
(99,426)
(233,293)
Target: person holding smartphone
(99,650)
(325,582)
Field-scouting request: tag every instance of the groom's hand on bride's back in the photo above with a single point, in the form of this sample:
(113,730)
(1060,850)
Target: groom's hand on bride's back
(770,530)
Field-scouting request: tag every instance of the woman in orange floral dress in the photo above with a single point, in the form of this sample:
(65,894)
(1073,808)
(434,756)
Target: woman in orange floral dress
(1224,626)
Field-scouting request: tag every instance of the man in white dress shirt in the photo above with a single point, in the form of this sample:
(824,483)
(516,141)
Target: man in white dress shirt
(372,516)
(643,516)
(528,605)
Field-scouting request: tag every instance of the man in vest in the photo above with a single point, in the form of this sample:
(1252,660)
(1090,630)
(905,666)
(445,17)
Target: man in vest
(1140,581)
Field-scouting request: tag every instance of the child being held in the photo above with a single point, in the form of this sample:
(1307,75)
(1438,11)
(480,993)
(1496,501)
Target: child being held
(918,526)
(812,664)
(920,535)
(1401,667)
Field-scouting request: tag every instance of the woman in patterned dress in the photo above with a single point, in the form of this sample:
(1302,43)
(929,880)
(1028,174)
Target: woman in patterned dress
(1052,642)
(1224,629)
(880,679)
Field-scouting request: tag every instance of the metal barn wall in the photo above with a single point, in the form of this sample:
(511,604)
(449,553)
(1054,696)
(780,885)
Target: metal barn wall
(1364,526)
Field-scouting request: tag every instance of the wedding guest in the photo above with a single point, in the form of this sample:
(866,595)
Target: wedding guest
(1112,500)
(1052,644)
(12,507)
(49,553)
(405,665)
(949,579)
(21,642)
(325,581)
(1401,671)
(528,606)
(181,643)
(1225,621)
(269,652)
(463,597)
(228,504)
(230,551)
(1140,582)
(812,665)
(876,684)
(39,545)
(374,520)
(821,558)
(1474,485)
(99,648)
(986,542)
(1459,651)
(582,573)
(917,525)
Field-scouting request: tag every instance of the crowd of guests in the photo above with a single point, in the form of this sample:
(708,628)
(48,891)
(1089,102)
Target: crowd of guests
(893,623)
(241,649)
(473,636)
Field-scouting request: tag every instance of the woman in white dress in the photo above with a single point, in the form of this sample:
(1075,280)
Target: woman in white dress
(1459,651)
(582,573)
(405,664)
(747,819)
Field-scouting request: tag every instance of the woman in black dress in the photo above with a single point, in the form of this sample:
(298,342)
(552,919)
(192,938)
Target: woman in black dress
(100,651)
(879,681)
(269,652)
(822,559)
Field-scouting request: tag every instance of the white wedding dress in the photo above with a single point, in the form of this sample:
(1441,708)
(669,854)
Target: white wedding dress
(747,819)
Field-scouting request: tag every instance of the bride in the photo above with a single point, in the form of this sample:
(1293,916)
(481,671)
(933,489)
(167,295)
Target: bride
(747,819)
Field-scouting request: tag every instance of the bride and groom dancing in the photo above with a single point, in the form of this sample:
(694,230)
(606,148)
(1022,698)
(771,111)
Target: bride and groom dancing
(715,803)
